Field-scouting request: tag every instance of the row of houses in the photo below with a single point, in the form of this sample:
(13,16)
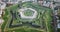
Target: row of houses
(42,2)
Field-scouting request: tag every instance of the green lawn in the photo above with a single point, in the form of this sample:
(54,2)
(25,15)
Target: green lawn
(28,12)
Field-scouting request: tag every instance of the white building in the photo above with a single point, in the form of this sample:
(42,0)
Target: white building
(2,7)
(21,11)
(40,2)
(47,4)
(0,12)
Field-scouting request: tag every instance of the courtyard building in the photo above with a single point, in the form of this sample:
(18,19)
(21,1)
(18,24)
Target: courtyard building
(34,13)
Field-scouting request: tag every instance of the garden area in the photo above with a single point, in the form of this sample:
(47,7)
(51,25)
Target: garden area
(14,22)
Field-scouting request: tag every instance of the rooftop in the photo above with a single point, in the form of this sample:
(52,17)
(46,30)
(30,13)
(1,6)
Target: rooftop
(10,1)
(2,5)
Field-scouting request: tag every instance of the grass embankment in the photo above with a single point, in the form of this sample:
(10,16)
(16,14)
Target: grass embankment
(6,16)
(47,14)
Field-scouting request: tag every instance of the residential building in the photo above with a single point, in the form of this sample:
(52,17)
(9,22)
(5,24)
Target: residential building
(2,7)
(40,2)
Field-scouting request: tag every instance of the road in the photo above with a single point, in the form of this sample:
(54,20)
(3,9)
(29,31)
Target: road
(55,19)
